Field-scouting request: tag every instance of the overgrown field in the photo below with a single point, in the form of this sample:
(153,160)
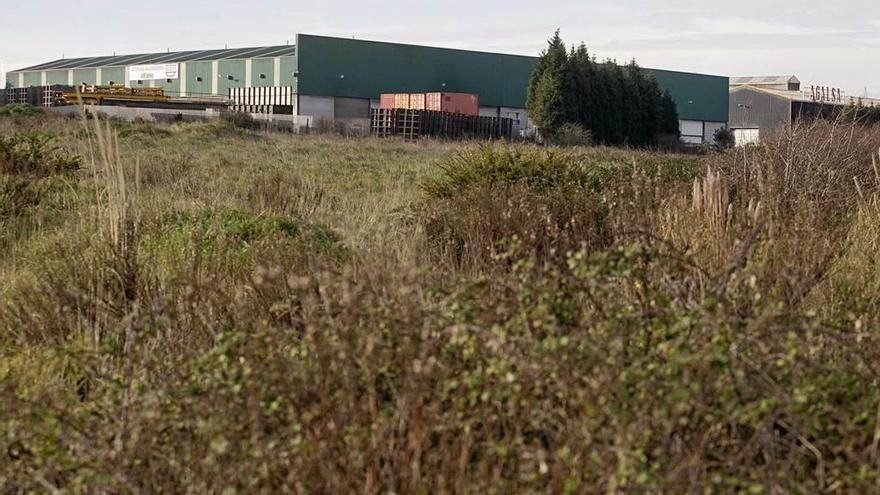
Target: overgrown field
(195,308)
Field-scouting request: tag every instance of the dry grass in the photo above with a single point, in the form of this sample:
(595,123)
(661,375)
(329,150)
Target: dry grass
(313,314)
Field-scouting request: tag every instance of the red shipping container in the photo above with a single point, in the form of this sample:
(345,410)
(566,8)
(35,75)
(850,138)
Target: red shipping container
(386,101)
(417,101)
(462,103)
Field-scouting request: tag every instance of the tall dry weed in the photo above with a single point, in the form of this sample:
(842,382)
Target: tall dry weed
(719,336)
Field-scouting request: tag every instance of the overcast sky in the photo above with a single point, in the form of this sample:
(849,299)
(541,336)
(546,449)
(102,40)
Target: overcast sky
(833,43)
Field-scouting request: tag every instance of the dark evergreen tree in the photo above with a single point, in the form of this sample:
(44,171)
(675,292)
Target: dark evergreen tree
(618,105)
(550,92)
(582,80)
(668,124)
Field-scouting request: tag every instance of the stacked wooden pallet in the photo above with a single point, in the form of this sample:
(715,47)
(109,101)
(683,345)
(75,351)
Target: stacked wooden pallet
(412,124)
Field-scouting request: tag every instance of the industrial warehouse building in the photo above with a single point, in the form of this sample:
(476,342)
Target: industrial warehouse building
(342,79)
(763,106)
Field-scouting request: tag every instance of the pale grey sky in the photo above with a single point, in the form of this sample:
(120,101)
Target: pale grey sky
(833,43)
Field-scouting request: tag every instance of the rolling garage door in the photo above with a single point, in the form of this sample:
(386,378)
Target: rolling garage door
(691,131)
(747,136)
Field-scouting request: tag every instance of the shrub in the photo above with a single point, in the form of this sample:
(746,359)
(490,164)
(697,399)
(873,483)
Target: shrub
(541,169)
(550,201)
(724,138)
(241,120)
(473,229)
(21,109)
(17,194)
(34,183)
(35,154)
(626,322)
(572,135)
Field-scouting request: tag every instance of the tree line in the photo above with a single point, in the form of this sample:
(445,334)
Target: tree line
(618,105)
(857,111)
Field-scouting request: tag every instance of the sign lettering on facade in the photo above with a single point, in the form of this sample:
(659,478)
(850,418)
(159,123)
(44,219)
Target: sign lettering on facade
(826,94)
(153,72)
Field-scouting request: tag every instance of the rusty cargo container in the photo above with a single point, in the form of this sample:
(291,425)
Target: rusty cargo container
(461,103)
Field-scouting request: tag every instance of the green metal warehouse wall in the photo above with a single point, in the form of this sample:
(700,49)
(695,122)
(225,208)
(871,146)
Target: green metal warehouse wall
(88,76)
(698,96)
(227,69)
(288,68)
(115,74)
(365,69)
(56,77)
(32,79)
(171,88)
(266,67)
(194,71)
(371,68)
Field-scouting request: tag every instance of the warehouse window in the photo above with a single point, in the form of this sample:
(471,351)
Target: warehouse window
(140,82)
(168,81)
(198,79)
(230,77)
(262,76)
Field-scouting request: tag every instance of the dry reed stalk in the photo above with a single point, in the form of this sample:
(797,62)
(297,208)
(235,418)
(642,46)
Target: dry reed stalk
(712,199)
(116,216)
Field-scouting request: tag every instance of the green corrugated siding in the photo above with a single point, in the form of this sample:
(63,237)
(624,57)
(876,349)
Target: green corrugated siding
(698,96)
(115,74)
(288,67)
(11,80)
(195,70)
(265,66)
(171,88)
(227,68)
(56,77)
(371,68)
(32,79)
(88,76)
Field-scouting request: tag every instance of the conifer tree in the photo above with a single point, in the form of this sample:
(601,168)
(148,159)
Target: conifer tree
(550,93)
(617,104)
(668,124)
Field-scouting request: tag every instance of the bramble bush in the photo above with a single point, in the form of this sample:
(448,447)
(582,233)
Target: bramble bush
(609,321)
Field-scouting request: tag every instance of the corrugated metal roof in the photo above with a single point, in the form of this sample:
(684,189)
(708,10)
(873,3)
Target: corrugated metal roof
(806,97)
(761,80)
(165,57)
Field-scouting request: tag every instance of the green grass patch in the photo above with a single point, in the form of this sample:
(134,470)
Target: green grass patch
(593,169)
(21,109)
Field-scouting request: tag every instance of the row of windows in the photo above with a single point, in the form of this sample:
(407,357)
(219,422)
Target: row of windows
(198,80)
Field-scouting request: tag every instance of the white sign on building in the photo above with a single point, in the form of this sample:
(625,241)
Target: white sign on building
(153,72)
